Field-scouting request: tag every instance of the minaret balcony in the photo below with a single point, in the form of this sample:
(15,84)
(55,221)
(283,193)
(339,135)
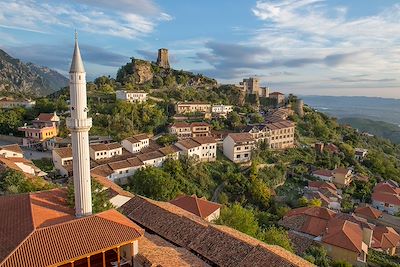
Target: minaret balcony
(79,124)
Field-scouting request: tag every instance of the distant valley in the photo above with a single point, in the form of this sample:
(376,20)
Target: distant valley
(378,116)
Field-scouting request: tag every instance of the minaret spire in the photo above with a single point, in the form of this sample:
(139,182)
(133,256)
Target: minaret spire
(79,125)
(77,63)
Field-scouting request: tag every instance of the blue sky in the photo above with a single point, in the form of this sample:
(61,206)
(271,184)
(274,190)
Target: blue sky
(316,47)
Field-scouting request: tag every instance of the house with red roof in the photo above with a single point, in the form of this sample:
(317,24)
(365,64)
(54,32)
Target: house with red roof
(386,197)
(368,212)
(201,207)
(40,229)
(385,239)
(344,237)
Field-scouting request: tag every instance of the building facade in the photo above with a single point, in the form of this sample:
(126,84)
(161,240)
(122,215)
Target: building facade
(192,107)
(130,96)
(238,147)
(136,143)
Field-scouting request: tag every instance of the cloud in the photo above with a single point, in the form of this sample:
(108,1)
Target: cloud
(60,55)
(120,18)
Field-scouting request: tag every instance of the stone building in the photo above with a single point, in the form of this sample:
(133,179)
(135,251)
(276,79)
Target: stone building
(162,59)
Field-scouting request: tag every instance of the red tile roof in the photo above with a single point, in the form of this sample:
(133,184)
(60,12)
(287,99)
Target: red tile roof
(344,234)
(198,206)
(369,212)
(137,138)
(386,198)
(39,229)
(386,188)
(385,238)
(220,245)
(241,137)
(180,125)
(64,152)
(188,143)
(45,117)
(321,184)
(202,140)
(14,148)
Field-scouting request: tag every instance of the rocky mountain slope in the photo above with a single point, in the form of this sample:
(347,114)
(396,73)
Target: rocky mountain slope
(28,79)
(143,73)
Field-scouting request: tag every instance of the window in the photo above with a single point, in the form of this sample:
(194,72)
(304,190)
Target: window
(246,155)
(238,156)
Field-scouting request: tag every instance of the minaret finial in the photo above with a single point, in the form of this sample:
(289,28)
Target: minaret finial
(76,35)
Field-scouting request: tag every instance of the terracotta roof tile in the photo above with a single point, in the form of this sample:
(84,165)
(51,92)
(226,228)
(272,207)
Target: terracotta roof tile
(385,238)
(344,234)
(198,206)
(168,150)
(221,245)
(188,143)
(45,116)
(323,172)
(155,251)
(103,147)
(386,198)
(202,140)
(137,138)
(14,148)
(64,152)
(39,223)
(321,184)
(102,170)
(369,212)
(241,137)
(150,156)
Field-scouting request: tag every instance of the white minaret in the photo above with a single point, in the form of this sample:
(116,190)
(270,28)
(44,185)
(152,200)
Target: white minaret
(79,125)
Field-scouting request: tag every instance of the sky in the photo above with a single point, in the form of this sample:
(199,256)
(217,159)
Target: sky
(305,47)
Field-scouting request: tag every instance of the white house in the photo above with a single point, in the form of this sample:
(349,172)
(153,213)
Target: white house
(62,160)
(203,148)
(153,158)
(136,143)
(105,151)
(119,171)
(11,151)
(238,146)
(222,109)
(131,97)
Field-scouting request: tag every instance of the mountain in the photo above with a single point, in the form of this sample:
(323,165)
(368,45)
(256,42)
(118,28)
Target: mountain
(17,77)
(379,128)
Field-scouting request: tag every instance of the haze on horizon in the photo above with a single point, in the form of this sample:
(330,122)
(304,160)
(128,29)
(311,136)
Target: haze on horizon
(306,47)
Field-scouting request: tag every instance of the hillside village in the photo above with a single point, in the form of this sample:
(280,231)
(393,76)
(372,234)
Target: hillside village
(201,174)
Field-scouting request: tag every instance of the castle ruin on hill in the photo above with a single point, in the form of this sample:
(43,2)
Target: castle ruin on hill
(162,59)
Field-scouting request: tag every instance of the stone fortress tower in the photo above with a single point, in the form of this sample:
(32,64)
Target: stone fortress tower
(162,59)
(79,125)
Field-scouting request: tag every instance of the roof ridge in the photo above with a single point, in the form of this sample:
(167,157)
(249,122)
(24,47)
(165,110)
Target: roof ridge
(198,206)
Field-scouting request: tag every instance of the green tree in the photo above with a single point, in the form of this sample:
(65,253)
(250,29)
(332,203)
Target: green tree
(100,199)
(303,201)
(239,218)
(319,254)
(315,202)
(167,139)
(276,236)
(15,182)
(154,183)
(341,264)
